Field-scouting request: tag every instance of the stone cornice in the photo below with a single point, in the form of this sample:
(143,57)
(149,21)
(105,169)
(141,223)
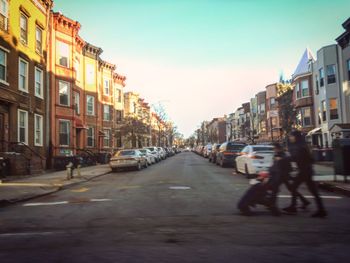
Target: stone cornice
(66,23)
(92,50)
(107,65)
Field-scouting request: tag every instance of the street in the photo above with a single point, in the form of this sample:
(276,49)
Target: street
(180,210)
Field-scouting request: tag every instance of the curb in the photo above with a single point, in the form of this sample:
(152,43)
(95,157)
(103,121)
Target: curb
(336,189)
(4,203)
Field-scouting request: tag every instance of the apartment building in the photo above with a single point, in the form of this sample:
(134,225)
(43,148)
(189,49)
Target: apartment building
(24,29)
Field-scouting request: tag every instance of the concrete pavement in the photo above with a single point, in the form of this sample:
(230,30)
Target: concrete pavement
(25,188)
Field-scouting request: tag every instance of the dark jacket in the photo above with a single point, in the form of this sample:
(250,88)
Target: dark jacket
(279,170)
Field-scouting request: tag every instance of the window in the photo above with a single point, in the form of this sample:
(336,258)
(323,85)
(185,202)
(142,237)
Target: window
(306,115)
(23,126)
(273,122)
(305,88)
(3,14)
(38,40)
(107,138)
(77,69)
(106,86)
(333,109)
(297,91)
(91,137)
(77,102)
(90,74)
(3,64)
(38,82)
(330,74)
(24,29)
(317,91)
(38,130)
(348,67)
(23,75)
(321,73)
(64,93)
(63,54)
(262,108)
(272,103)
(90,105)
(106,113)
(119,93)
(119,115)
(64,132)
(324,110)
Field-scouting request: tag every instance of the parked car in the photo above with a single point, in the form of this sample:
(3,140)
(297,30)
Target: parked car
(155,152)
(212,154)
(129,158)
(162,153)
(254,159)
(227,153)
(151,159)
(207,150)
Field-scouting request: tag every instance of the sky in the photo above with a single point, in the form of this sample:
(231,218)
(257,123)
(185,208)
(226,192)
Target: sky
(203,58)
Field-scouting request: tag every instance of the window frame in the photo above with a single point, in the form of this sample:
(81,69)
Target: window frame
(331,79)
(321,73)
(92,136)
(302,88)
(109,112)
(68,94)
(41,94)
(4,81)
(26,76)
(41,129)
(90,113)
(23,41)
(59,132)
(39,48)
(77,102)
(303,116)
(324,110)
(59,55)
(108,144)
(5,15)
(332,116)
(19,111)
(106,89)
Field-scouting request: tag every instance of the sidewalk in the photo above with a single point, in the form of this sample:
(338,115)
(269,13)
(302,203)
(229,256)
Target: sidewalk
(25,188)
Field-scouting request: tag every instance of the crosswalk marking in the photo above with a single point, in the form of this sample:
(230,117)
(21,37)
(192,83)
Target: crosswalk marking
(46,203)
(310,196)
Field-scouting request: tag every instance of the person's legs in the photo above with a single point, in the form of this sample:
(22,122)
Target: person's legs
(294,191)
(299,195)
(314,191)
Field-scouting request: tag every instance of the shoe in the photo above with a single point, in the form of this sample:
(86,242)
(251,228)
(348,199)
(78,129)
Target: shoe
(290,210)
(320,214)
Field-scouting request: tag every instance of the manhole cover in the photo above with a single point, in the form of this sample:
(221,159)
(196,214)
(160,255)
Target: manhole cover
(179,187)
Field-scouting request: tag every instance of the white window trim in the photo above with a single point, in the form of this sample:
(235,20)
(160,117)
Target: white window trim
(109,112)
(19,68)
(69,132)
(41,130)
(6,15)
(6,53)
(109,139)
(41,96)
(41,41)
(26,126)
(93,137)
(75,97)
(58,53)
(93,106)
(27,29)
(104,87)
(69,93)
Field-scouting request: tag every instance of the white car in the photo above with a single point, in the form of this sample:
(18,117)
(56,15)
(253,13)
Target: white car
(129,158)
(155,152)
(162,153)
(151,159)
(254,159)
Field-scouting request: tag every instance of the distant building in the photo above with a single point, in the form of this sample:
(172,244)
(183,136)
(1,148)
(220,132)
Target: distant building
(262,118)
(217,130)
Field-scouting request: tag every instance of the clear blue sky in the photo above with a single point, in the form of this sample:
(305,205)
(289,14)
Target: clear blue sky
(203,59)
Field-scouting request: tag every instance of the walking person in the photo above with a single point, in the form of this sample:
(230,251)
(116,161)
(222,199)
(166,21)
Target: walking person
(300,154)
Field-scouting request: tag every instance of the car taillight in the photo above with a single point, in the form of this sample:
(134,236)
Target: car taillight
(229,153)
(256,157)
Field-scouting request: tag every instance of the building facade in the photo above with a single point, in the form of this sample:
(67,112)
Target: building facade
(24,29)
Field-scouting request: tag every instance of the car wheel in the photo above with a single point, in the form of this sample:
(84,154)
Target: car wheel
(246,171)
(139,167)
(146,165)
(236,169)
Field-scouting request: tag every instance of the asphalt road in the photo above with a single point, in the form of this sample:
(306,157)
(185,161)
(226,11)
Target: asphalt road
(180,210)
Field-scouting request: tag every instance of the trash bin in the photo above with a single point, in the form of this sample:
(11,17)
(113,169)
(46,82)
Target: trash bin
(341,156)
(4,167)
(327,155)
(317,155)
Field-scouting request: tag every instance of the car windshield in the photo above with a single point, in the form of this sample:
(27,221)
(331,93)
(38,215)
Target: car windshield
(262,149)
(235,147)
(125,153)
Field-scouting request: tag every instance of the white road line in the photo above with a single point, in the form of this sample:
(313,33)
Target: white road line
(100,200)
(179,187)
(27,234)
(310,196)
(49,203)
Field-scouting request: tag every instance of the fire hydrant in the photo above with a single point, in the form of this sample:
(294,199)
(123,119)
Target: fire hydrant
(70,169)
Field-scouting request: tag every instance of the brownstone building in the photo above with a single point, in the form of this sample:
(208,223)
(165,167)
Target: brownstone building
(23,86)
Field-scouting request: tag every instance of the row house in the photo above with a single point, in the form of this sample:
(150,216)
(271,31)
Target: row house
(217,130)
(272,113)
(86,94)
(24,29)
(261,130)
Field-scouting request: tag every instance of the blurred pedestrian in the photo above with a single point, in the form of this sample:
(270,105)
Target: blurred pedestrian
(300,154)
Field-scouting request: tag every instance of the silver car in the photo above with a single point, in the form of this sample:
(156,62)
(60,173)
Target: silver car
(130,158)
(151,159)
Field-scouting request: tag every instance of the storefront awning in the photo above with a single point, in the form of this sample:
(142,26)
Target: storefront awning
(313,131)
